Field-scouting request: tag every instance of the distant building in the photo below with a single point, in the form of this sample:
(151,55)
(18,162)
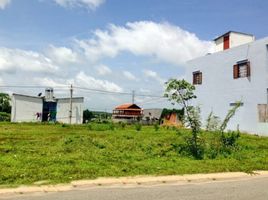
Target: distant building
(127,113)
(232,39)
(238,71)
(171,119)
(151,116)
(46,108)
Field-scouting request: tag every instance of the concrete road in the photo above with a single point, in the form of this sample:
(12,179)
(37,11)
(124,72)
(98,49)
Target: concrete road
(242,189)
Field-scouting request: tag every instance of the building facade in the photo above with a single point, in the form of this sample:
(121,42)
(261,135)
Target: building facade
(127,113)
(27,108)
(232,74)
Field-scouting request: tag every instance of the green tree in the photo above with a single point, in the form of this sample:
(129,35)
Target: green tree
(5,103)
(181,92)
(87,115)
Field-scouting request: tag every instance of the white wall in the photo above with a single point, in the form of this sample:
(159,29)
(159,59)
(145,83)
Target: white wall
(219,44)
(237,39)
(219,89)
(63,108)
(24,108)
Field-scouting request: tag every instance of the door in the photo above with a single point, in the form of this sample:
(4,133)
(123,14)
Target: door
(49,111)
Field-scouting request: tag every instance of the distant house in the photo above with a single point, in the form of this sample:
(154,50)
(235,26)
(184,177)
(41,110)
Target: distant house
(127,113)
(151,116)
(27,108)
(171,119)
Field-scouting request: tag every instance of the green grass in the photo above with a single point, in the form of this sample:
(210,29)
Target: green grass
(60,154)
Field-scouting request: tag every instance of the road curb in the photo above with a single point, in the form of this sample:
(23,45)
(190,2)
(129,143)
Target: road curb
(132,181)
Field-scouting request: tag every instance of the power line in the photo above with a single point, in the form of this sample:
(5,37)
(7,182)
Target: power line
(120,93)
(31,86)
(100,91)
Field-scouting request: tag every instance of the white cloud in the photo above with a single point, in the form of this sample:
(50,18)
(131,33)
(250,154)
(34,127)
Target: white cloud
(153,75)
(81,80)
(45,81)
(88,81)
(62,55)
(103,70)
(15,59)
(92,4)
(4,3)
(130,76)
(162,41)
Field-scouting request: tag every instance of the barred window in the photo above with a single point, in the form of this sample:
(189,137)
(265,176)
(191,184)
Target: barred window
(197,78)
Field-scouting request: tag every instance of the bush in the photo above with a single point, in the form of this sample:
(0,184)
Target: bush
(191,147)
(156,126)
(196,147)
(122,125)
(90,127)
(111,126)
(138,126)
(230,139)
(4,117)
(65,125)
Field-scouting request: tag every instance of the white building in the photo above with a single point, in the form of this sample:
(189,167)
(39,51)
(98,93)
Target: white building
(236,73)
(232,39)
(47,108)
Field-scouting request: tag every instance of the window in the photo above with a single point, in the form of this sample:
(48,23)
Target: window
(235,104)
(241,69)
(197,78)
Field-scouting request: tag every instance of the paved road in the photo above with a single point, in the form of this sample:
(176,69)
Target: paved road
(245,189)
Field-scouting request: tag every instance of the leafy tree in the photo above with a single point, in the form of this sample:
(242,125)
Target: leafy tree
(5,103)
(87,115)
(181,92)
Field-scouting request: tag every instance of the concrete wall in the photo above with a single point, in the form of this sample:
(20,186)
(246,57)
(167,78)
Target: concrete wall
(237,39)
(63,108)
(219,44)
(219,89)
(24,108)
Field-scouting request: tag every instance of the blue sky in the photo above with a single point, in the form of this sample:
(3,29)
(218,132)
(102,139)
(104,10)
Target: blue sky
(114,45)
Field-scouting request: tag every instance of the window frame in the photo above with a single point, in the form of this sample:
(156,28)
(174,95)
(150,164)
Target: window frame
(197,78)
(237,67)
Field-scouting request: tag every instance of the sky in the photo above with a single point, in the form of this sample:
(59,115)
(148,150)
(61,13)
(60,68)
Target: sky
(114,45)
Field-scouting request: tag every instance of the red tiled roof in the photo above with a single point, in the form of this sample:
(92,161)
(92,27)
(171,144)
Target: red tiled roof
(128,106)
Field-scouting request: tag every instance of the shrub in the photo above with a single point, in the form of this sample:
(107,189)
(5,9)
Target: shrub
(4,117)
(138,126)
(191,147)
(111,126)
(65,125)
(230,139)
(122,125)
(156,126)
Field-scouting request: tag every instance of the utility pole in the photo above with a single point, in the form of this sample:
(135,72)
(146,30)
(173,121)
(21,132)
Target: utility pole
(71,104)
(133,96)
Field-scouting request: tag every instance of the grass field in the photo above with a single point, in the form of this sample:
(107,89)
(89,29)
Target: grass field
(57,153)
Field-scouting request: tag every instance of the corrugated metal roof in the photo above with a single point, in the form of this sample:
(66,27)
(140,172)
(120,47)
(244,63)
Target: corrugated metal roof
(127,106)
